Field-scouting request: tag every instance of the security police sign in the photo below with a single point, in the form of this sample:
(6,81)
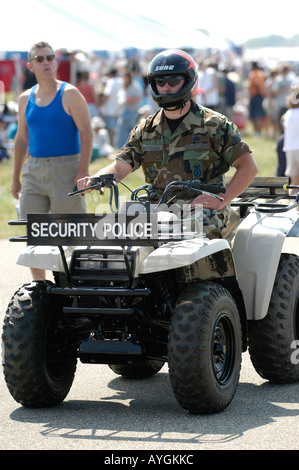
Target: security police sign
(91,229)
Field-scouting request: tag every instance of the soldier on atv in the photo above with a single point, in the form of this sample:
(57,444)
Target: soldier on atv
(184,141)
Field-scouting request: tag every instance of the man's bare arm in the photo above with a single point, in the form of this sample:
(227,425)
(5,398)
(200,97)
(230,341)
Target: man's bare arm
(20,147)
(77,107)
(246,171)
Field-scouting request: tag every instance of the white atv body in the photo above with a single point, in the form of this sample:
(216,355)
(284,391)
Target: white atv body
(172,297)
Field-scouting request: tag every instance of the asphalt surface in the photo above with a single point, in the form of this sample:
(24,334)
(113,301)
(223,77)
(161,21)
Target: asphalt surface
(105,412)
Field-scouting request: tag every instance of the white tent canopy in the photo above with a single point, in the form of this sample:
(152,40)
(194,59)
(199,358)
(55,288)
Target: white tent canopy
(89,25)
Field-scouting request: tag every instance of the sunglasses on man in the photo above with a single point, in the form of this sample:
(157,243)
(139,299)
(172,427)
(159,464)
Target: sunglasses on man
(41,58)
(171,81)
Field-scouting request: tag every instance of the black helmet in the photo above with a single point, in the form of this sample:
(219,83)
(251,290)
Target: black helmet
(169,63)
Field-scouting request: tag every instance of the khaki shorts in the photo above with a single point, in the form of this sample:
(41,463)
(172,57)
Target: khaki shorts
(46,183)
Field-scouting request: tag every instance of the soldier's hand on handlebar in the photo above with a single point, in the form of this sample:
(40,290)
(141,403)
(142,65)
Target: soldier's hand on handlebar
(209,201)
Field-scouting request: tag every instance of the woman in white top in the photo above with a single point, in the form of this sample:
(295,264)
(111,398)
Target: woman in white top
(291,138)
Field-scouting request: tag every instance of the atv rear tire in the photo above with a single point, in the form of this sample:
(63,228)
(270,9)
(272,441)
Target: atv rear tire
(39,364)
(274,339)
(205,348)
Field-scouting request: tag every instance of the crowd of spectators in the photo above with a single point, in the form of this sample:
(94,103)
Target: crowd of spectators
(118,96)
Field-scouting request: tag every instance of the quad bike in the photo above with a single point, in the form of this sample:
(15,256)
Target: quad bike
(135,301)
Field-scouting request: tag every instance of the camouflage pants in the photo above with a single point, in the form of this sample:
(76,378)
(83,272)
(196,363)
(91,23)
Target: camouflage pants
(215,221)
(212,221)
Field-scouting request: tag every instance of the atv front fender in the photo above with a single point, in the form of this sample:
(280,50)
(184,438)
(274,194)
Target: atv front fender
(178,254)
(43,257)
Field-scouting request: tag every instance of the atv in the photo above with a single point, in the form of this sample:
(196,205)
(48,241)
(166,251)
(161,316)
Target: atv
(142,286)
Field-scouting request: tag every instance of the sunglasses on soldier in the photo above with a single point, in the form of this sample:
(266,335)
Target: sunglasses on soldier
(171,81)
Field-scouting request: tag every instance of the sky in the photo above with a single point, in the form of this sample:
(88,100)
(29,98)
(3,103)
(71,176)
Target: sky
(110,24)
(237,20)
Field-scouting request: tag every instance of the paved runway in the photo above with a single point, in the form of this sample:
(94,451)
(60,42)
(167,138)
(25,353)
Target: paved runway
(104,411)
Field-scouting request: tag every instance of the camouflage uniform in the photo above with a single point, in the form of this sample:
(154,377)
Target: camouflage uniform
(203,147)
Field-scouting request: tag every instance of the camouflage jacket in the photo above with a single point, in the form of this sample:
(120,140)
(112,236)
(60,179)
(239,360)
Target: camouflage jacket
(203,147)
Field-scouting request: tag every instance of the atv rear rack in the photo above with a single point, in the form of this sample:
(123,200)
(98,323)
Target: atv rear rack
(271,189)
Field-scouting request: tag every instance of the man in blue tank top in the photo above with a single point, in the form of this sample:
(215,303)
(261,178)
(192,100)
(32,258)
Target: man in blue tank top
(54,127)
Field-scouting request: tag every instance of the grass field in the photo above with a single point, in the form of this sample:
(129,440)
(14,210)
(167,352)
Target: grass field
(264,152)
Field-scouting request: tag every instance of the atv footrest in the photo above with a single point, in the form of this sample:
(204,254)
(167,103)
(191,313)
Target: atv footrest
(117,347)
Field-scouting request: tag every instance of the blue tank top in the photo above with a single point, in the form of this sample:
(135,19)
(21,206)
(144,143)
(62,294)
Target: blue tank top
(52,132)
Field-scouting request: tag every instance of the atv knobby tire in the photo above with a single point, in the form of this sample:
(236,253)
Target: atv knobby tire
(138,371)
(273,340)
(205,348)
(39,364)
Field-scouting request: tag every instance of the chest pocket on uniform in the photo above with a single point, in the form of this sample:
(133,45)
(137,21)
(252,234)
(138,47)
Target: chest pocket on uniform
(151,160)
(196,159)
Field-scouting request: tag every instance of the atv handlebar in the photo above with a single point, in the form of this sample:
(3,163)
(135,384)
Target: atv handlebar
(195,185)
(210,188)
(109,181)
